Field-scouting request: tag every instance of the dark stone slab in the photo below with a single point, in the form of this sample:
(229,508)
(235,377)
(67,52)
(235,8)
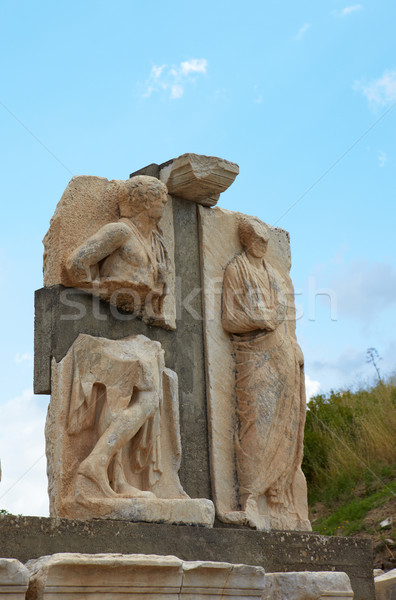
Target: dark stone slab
(30,537)
(61,314)
(188,352)
(152,170)
(43,309)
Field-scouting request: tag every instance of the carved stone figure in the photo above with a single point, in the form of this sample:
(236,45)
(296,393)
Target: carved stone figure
(127,263)
(113,439)
(270,388)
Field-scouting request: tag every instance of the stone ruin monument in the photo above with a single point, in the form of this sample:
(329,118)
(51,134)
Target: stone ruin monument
(165,334)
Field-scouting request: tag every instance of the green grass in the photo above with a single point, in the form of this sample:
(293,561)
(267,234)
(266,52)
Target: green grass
(350,456)
(349,441)
(349,518)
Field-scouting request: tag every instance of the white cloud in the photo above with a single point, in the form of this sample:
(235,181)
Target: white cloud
(195,65)
(302,31)
(23,488)
(312,387)
(177,91)
(157,71)
(351,9)
(381,91)
(171,80)
(382,158)
(349,369)
(364,289)
(349,362)
(26,357)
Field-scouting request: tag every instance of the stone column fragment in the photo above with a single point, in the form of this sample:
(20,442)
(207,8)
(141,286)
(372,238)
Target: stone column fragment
(14,579)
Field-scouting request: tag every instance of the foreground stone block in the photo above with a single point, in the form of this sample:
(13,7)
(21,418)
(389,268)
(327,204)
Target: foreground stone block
(219,580)
(385,586)
(97,576)
(14,579)
(307,586)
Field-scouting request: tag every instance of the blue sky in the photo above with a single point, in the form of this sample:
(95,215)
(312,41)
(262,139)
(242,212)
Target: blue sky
(283,89)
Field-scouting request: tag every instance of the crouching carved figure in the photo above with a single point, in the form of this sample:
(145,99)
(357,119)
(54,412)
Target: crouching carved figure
(113,440)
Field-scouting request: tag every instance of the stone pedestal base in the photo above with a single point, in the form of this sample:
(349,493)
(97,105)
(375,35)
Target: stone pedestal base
(25,538)
(198,511)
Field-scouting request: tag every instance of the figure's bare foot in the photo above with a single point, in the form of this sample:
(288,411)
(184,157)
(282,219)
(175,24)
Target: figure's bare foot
(125,490)
(87,470)
(261,522)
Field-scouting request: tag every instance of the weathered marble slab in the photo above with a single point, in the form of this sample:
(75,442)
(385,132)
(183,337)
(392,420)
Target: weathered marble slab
(220,244)
(14,579)
(97,576)
(212,580)
(113,435)
(307,586)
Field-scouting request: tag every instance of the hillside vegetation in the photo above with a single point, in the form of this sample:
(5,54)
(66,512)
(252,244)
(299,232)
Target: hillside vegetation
(350,464)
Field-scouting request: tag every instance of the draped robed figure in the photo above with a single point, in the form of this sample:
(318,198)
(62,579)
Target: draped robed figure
(270,387)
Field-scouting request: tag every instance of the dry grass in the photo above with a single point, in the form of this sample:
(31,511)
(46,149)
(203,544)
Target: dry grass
(350,436)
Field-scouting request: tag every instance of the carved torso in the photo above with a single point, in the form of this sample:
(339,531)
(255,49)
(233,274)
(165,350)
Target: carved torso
(142,262)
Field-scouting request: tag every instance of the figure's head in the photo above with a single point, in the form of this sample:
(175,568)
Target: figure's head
(254,236)
(143,194)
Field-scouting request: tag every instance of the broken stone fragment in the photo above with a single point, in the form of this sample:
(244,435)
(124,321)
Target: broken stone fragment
(199,178)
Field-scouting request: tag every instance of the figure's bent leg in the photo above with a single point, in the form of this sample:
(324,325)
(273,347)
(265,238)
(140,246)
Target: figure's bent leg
(121,430)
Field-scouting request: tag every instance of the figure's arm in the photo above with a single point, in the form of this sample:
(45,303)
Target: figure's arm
(240,313)
(244,311)
(98,246)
